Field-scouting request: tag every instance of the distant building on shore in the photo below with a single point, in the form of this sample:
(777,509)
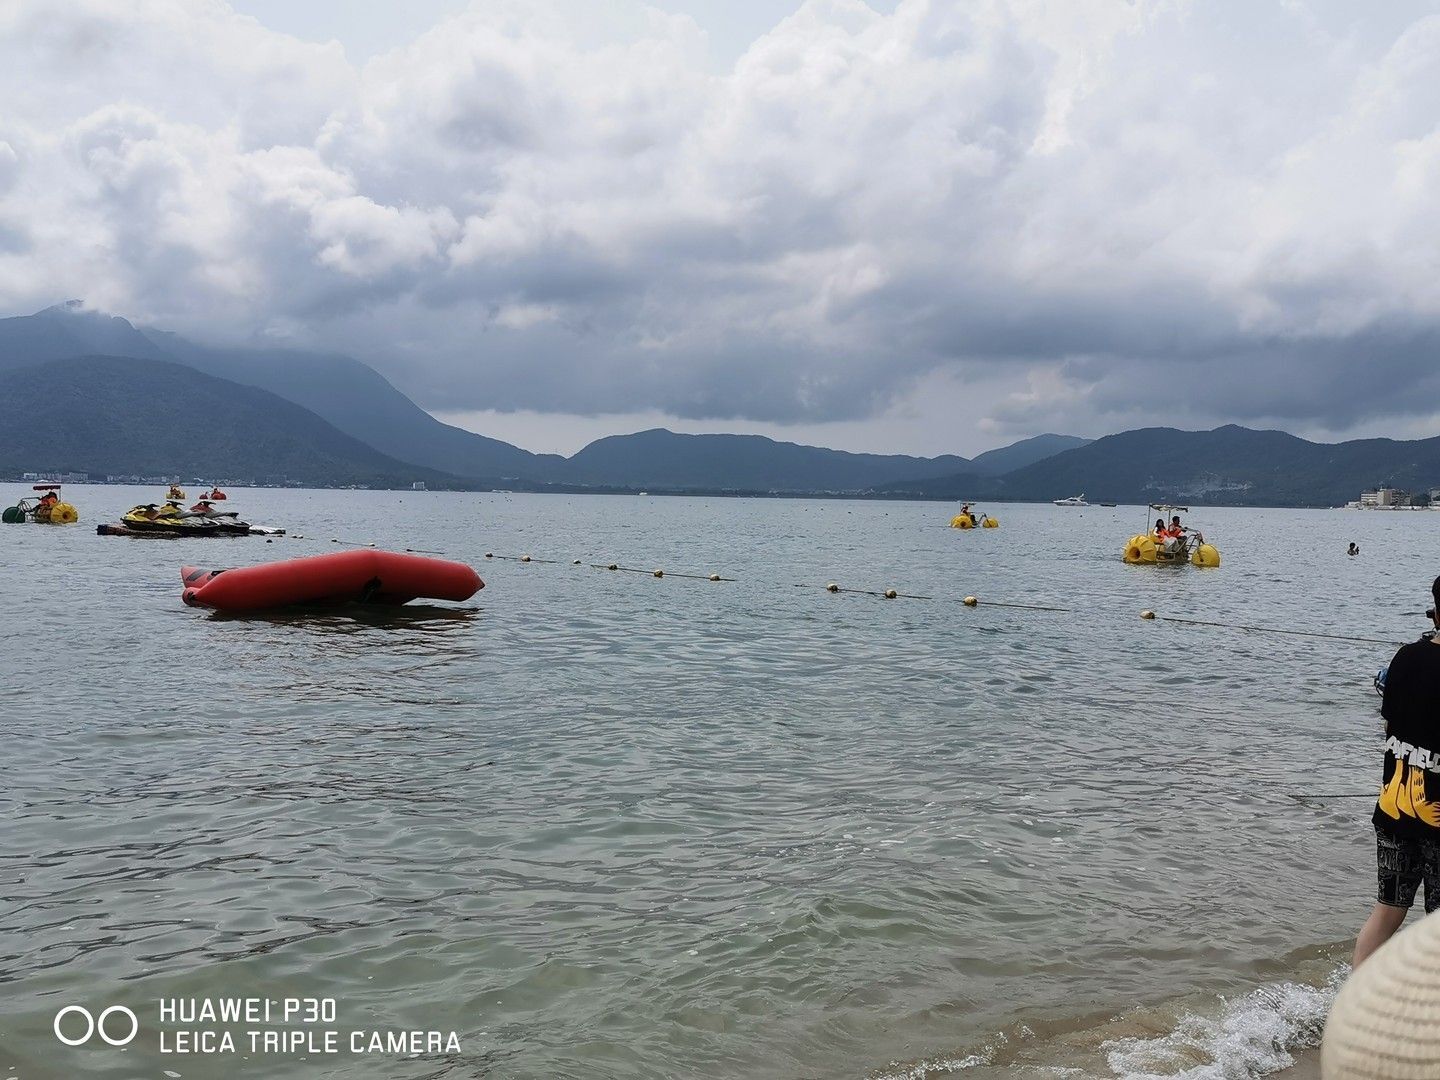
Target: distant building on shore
(1387,498)
(418,485)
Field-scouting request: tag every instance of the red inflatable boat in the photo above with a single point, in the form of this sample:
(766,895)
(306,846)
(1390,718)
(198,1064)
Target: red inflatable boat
(373,577)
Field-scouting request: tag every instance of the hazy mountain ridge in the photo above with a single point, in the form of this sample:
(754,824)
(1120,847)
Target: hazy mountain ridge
(1006,459)
(169,411)
(361,403)
(664,460)
(123,415)
(1230,464)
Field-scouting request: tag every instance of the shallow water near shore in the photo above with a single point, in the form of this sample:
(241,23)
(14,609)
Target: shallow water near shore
(602,824)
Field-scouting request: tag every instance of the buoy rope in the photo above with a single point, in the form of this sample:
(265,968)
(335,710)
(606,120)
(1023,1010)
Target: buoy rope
(884,594)
(1303,796)
(1280,630)
(1022,607)
(655,573)
(895,594)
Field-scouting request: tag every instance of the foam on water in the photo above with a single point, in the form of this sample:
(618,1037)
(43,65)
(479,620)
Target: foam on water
(1216,1038)
(1253,1036)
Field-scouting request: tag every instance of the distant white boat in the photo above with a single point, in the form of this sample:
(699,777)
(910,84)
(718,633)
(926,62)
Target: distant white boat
(1074,500)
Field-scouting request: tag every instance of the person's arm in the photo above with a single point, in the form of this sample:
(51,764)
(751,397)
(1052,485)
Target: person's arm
(1393,693)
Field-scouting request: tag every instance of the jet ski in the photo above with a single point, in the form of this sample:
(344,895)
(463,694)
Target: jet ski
(171,520)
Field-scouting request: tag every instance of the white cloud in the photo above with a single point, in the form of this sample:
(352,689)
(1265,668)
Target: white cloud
(1084,209)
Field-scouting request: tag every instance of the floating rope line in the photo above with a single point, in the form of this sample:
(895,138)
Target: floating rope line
(1301,796)
(895,594)
(1276,630)
(885,594)
(655,573)
(1005,604)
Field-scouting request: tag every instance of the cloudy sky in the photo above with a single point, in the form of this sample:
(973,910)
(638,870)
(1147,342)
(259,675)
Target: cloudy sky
(912,225)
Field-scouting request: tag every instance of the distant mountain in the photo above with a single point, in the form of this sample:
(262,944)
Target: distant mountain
(663,460)
(106,414)
(359,401)
(1025,452)
(1229,465)
(348,394)
(69,330)
(329,419)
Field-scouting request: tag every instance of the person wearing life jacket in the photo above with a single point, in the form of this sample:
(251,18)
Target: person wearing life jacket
(216,493)
(1168,536)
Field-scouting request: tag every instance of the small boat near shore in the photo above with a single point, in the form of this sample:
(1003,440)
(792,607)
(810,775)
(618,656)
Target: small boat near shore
(1170,545)
(1074,500)
(45,509)
(967,518)
(365,577)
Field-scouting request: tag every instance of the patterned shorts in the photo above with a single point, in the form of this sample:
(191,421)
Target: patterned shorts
(1402,863)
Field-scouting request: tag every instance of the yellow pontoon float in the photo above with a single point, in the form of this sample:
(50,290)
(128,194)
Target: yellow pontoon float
(968,519)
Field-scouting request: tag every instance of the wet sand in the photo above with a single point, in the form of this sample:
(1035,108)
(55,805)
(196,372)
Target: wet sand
(1306,1067)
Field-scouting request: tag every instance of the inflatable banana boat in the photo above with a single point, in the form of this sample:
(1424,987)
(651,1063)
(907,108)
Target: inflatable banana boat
(368,577)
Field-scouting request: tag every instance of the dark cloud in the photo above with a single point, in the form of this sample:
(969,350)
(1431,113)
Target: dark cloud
(1070,213)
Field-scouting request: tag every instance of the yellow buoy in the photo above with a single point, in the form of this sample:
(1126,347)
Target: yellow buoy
(890,594)
(1147,614)
(659,573)
(971,601)
(1205,555)
(714,577)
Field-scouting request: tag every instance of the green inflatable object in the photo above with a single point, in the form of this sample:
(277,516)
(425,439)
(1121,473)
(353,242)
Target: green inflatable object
(12,515)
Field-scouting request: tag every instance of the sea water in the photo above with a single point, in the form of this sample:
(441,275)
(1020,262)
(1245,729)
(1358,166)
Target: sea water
(600,823)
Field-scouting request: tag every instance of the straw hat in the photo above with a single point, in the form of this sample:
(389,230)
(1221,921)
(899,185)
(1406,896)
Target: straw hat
(1385,1023)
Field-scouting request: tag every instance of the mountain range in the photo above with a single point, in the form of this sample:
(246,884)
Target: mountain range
(120,414)
(339,394)
(94,393)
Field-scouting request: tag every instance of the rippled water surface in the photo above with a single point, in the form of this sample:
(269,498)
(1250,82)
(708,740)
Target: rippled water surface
(608,825)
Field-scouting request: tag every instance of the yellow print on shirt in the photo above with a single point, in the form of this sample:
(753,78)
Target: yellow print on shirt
(1404,794)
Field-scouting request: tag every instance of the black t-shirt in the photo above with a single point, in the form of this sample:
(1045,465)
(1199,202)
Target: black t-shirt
(1409,802)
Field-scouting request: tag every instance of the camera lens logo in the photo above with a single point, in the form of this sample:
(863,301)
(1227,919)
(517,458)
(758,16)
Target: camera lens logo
(109,1025)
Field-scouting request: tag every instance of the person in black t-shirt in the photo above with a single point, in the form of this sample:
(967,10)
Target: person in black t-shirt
(1407,814)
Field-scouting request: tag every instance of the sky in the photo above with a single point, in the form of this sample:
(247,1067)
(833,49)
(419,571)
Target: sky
(908,226)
